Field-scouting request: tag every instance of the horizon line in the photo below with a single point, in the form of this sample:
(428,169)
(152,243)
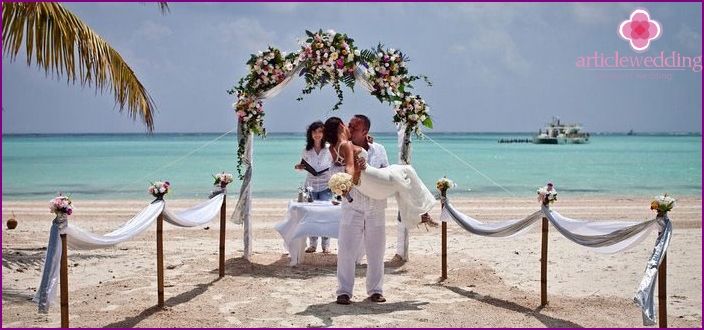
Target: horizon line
(371,133)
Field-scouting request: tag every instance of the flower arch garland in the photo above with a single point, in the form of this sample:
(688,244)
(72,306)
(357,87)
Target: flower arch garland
(324,58)
(327,58)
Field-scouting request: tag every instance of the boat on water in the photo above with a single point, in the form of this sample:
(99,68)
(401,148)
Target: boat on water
(560,133)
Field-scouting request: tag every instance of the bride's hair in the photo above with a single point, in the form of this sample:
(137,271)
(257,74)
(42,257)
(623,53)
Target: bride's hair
(331,129)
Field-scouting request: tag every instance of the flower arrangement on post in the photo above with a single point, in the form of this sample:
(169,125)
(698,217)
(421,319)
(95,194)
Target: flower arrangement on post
(61,205)
(159,189)
(222,179)
(328,57)
(411,111)
(341,184)
(266,70)
(547,195)
(387,72)
(662,204)
(443,184)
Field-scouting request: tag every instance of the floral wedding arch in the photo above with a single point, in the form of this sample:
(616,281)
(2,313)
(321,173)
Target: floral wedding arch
(324,58)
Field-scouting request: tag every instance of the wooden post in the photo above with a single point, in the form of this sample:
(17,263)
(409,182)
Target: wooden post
(444,242)
(662,292)
(223,224)
(64,282)
(160,259)
(544,265)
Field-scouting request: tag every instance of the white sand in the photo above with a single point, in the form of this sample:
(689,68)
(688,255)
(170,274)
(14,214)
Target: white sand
(492,282)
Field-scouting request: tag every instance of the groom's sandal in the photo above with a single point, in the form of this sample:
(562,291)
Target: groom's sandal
(310,249)
(428,221)
(343,299)
(377,298)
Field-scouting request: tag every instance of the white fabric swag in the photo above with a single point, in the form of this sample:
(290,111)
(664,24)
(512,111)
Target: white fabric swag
(81,239)
(597,236)
(198,215)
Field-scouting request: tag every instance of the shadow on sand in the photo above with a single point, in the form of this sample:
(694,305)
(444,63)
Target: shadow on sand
(548,321)
(332,309)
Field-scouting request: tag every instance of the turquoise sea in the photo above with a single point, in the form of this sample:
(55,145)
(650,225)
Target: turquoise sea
(120,166)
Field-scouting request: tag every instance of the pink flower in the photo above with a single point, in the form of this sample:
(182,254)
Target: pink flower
(639,30)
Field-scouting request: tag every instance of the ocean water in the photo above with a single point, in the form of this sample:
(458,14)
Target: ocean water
(121,166)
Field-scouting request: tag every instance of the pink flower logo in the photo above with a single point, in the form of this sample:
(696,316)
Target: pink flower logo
(639,30)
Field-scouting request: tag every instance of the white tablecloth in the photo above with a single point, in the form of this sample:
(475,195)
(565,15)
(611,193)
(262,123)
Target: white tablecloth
(319,218)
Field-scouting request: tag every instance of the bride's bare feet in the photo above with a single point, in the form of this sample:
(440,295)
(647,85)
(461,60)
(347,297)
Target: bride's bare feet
(428,221)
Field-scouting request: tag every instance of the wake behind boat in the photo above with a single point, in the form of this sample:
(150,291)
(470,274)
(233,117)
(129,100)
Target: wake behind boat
(559,133)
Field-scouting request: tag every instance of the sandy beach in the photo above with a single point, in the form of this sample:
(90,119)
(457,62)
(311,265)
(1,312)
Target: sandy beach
(492,282)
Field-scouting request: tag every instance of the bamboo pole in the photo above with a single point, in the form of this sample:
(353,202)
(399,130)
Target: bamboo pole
(64,282)
(160,259)
(223,225)
(544,265)
(444,242)
(662,292)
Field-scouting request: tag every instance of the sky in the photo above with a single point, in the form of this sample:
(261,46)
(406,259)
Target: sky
(495,67)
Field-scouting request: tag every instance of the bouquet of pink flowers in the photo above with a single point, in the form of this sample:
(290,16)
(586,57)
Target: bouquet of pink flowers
(547,195)
(329,58)
(159,188)
(411,111)
(222,179)
(61,204)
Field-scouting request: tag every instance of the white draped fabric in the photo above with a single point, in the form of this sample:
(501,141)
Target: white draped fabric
(597,236)
(198,215)
(81,239)
(319,218)
(505,228)
(601,236)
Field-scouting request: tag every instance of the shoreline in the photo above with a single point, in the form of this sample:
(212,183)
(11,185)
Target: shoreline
(498,279)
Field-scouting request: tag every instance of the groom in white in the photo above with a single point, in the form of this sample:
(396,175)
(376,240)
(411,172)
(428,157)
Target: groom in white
(362,219)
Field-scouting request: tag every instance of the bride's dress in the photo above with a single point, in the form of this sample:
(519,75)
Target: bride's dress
(401,181)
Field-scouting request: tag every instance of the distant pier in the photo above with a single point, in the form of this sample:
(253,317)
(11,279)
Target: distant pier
(516,141)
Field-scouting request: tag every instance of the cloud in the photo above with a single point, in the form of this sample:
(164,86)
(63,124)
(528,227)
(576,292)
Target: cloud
(495,28)
(246,34)
(689,38)
(457,49)
(591,13)
(153,31)
(283,7)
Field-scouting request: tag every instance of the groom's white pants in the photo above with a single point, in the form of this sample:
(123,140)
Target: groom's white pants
(361,222)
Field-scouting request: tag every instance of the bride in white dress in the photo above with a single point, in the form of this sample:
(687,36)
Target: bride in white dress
(401,181)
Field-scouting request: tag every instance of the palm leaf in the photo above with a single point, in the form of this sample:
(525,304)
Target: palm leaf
(62,44)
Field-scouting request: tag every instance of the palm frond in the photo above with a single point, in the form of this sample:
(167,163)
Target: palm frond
(62,44)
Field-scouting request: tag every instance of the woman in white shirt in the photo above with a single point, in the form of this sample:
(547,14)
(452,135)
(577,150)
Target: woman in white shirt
(317,156)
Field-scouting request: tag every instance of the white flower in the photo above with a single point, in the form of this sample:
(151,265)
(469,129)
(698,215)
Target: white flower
(340,183)
(356,52)
(331,32)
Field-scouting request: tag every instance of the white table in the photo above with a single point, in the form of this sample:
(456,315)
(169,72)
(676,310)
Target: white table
(319,218)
